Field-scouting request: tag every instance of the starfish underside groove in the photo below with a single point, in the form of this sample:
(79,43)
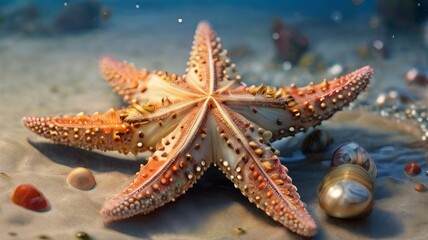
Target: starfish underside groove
(207,116)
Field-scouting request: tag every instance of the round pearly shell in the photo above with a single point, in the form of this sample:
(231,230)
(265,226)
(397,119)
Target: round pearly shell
(81,178)
(347,191)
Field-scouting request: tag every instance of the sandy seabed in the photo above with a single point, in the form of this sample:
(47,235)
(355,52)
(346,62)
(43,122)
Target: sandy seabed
(47,76)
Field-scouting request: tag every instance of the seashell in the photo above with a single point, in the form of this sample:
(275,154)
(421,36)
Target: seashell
(81,178)
(347,191)
(354,154)
(412,169)
(317,141)
(29,197)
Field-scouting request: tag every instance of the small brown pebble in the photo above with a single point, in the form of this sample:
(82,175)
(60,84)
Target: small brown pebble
(13,234)
(238,231)
(44,237)
(82,235)
(412,169)
(54,88)
(420,187)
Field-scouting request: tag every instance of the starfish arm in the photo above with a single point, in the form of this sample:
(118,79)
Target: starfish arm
(104,131)
(180,159)
(209,67)
(286,111)
(246,157)
(141,87)
(116,130)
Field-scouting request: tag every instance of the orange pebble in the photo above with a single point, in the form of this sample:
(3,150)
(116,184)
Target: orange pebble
(420,187)
(29,197)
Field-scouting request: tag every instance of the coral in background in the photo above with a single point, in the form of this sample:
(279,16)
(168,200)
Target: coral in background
(290,44)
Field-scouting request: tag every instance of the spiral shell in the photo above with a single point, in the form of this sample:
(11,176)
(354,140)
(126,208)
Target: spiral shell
(347,191)
(81,178)
(353,153)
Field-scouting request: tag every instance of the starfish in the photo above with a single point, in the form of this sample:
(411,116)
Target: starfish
(206,117)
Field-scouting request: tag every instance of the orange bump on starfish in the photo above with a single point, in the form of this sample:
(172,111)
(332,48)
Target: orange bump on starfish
(207,116)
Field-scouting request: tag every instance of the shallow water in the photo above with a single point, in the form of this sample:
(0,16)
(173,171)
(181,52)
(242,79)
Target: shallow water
(51,72)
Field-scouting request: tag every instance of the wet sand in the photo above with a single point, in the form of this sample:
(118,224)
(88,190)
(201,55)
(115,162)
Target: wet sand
(45,76)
